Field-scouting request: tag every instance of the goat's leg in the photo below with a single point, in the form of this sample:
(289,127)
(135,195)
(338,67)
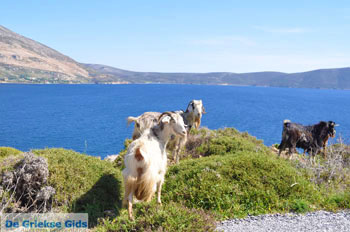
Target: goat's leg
(159,190)
(290,152)
(177,155)
(312,155)
(281,147)
(324,150)
(130,200)
(174,154)
(127,192)
(178,149)
(175,151)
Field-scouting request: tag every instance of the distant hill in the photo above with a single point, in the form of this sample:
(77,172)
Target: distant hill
(23,60)
(324,78)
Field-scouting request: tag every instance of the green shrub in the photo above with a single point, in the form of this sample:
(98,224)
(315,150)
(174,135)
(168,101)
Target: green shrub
(238,184)
(206,142)
(153,217)
(338,201)
(300,206)
(8,151)
(8,158)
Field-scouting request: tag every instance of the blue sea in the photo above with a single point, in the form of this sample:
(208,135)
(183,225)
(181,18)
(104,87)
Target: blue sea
(92,118)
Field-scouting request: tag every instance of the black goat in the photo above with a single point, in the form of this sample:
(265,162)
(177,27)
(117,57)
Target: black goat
(310,138)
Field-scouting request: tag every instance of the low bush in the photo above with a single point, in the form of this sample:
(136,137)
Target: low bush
(153,217)
(300,206)
(205,142)
(8,151)
(331,175)
(239,184)
(338,201)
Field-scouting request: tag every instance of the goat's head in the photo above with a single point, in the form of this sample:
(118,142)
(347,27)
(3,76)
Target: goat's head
(196,106)
(331,128)
(174,121)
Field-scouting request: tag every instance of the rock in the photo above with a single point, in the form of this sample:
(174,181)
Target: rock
(111,158)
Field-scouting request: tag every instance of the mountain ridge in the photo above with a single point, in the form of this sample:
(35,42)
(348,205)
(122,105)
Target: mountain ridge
(23,60)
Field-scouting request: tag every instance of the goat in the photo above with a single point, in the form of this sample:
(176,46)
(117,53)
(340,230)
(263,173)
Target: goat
(194,112)
(146,159)
(310,138)
(143,122)
(192,118)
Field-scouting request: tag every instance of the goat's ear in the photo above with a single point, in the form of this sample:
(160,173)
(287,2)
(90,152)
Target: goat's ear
(203,110)
(166,119)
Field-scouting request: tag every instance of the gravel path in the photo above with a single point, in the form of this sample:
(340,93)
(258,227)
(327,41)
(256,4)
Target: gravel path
(316,221)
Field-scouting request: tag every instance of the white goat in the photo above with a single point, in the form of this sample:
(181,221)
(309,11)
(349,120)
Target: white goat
(146,159)
(192,117)
(194,112)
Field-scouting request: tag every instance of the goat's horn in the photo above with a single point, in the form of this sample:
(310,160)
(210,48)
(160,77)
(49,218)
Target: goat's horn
(165,113)
(191,102)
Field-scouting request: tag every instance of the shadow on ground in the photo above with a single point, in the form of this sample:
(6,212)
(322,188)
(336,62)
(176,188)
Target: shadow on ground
(104,196)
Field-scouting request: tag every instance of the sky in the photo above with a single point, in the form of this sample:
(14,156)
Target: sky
(189,35)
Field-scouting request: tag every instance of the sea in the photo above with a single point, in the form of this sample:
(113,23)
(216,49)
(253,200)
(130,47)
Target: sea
(91,119)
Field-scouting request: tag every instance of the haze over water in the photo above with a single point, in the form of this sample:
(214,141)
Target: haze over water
(92,118)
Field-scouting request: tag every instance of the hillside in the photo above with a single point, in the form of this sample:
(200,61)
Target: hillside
(23,60)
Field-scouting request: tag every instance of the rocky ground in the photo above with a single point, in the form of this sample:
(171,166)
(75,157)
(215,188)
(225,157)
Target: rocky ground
(315,221)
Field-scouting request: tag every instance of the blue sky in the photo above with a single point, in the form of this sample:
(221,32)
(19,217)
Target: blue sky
(190,36)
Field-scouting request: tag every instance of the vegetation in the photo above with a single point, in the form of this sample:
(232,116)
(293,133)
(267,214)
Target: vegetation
(83,183)
(153,217)
(222,174)
(239,184)
(8,151)
(8,158)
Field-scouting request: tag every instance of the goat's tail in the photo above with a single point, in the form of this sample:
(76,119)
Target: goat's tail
(146,180)
(131,119)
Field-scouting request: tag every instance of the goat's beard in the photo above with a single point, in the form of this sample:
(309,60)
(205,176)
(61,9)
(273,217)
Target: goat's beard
(197,121)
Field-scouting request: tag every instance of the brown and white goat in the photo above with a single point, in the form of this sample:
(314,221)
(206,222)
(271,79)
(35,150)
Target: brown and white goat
(146,159)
